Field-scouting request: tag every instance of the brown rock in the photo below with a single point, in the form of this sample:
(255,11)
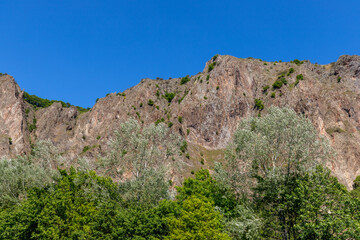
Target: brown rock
(211,105)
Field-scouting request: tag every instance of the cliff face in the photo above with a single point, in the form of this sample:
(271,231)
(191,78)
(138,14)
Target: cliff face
(205,110)
(13,128)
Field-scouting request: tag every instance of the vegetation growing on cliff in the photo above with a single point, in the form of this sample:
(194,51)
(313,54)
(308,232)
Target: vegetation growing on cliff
(271,185)
(38,102)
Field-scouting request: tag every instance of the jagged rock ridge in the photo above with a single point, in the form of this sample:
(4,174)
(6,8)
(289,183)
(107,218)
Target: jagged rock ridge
(205,110)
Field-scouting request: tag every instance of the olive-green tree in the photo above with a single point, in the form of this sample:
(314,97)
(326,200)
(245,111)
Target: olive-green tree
(278,145)
(141,158)
(265,161)
(17,175)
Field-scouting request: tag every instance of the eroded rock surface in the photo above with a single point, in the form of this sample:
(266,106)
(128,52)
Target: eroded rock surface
(205,110)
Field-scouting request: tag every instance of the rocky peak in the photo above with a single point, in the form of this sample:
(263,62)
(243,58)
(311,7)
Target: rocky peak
(205,108)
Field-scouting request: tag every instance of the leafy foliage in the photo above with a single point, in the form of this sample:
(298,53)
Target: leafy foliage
(300,77)
(197,220)
(211,66)
(151,102)
(145,155)
(169,96)
(184,80)
(298,148)
(297,62)
(259,104)
(265,88)
(272,186)
(38,102)
(291,195)
(22,173)
(277,84)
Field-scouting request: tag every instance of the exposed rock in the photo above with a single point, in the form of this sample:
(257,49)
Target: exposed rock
(13,129)
(210,106)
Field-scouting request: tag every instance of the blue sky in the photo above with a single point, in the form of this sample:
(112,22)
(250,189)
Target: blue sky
(77,51)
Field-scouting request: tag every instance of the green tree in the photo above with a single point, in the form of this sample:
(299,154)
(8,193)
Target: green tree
(275,162)
(265,161)
(356,188)
(66,210)
(277,145)
(198,219)
(20,174)
(203,185)
(142,157)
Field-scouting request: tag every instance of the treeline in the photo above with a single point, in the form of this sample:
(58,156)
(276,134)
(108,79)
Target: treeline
(38,102)
(271,185)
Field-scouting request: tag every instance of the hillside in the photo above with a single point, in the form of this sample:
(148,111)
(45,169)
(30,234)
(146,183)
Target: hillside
(205,109)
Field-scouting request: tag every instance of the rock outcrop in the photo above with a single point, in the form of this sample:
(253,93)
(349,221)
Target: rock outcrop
(204,108)
(13,128)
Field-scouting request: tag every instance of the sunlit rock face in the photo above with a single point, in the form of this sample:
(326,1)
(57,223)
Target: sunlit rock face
(204,110)
(13,128)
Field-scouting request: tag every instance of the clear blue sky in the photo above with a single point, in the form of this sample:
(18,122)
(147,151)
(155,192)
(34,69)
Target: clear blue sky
(77,51)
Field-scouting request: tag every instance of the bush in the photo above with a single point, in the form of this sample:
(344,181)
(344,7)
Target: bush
(211,66)
(169,96)
(170,124)
(273,95)
(184,80)
(338,79)
(183,147)
(182,98)
(207,77)
(283,80)
(299,77)
(265,88)
(277,84)
(180,119)
(38,102)
(151,102)
(159,121)
(291,70)
(32,127)
(85,149)
(215,57)
(259,104)
(297,62)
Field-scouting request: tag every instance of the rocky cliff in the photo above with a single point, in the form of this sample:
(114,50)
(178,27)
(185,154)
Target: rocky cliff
(204,108)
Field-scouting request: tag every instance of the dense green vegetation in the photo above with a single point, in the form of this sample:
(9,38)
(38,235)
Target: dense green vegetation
(38,102)
(151,102)
(277,84)
(169,96)
(184,80)
(297,62)
(259,104)
(265,88)
(211,66)
(272,184)
(300,77)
